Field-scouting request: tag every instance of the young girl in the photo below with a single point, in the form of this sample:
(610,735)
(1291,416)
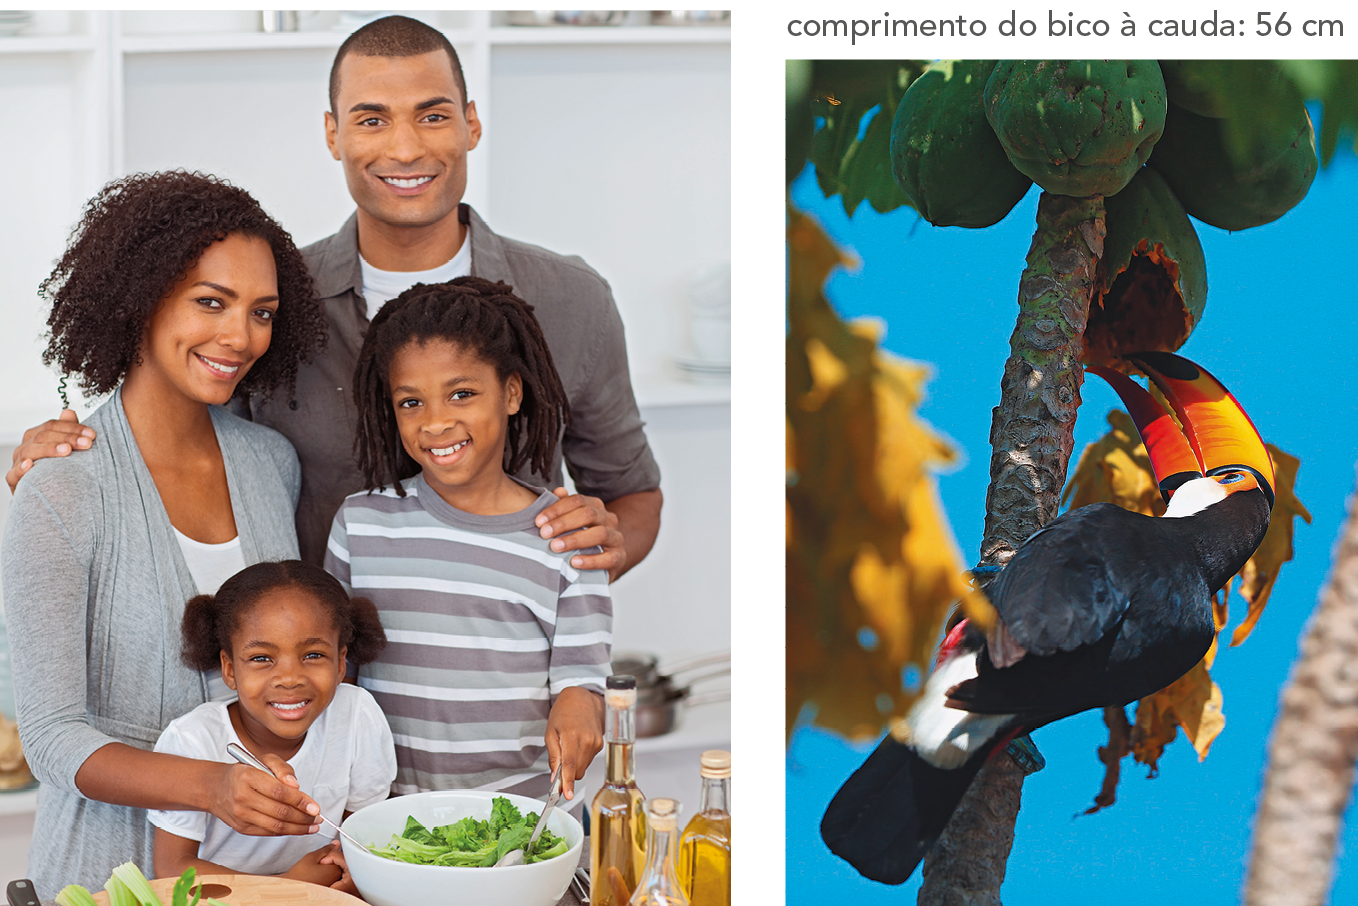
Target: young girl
(282,633)
(499,647)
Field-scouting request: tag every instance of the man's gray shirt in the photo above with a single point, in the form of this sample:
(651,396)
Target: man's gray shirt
(603,445)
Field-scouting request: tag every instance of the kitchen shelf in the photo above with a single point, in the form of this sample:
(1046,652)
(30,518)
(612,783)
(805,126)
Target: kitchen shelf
(230,41)
(603,34)
(31,44)
(226,41)
(209,42)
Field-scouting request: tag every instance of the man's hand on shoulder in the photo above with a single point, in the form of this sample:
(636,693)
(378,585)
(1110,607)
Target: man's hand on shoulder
(625,528)
(589,522)
(55,437)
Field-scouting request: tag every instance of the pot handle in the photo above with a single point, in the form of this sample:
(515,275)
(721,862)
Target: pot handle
(703,676)
(707,698)
(721,657)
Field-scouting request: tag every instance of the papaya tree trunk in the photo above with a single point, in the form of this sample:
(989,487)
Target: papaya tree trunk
(1315,744)
(1031,437)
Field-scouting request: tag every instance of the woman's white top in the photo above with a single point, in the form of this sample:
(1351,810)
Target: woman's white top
(211,565)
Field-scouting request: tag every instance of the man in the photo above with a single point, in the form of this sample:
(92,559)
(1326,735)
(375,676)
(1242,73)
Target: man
(401,125)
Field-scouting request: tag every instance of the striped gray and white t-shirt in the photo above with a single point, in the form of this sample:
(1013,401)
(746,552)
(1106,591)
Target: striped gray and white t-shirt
(485,624)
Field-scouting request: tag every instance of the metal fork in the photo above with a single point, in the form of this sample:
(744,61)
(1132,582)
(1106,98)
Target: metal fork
(580,885)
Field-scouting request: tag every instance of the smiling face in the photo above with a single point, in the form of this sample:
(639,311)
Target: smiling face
(400,129)
(213,325)
(452,412)
(285,664)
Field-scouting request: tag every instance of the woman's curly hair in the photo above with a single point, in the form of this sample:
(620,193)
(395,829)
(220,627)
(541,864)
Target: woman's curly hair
(136,239)
(484,318)
(211,621)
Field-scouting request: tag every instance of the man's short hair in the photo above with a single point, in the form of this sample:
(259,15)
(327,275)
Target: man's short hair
(395,36)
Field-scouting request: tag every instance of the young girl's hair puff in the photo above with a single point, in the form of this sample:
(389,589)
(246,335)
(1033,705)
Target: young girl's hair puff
(210,621)
(484,318)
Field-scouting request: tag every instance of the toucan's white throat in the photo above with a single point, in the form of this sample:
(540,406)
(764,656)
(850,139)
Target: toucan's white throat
(1194,496)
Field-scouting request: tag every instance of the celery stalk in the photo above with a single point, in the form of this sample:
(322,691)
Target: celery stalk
(118,894)
(75,895)
(180,897)
(137,885)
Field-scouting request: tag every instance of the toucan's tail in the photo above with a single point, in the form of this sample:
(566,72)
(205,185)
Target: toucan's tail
(889,813)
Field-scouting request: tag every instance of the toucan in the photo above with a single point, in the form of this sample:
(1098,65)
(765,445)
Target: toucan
(1102,606)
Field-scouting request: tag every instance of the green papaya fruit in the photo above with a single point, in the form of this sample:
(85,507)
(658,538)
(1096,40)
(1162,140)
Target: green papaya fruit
(1152,283)
(1212,87)
(944,155)
(1219,188)
(1077,127)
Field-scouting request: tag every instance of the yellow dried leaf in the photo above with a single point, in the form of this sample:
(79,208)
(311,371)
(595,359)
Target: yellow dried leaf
(1259,574)
(1192,702)
(1119,744)
(872,568)
(1115,469)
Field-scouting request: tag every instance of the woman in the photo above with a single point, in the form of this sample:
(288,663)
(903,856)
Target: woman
(176,292)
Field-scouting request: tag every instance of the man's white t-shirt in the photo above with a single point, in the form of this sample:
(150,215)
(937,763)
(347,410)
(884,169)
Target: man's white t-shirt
(380,287)
(346,762)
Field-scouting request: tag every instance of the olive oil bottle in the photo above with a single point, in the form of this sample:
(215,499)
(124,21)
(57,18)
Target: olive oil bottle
(705,847)
(658,885)
(617,822)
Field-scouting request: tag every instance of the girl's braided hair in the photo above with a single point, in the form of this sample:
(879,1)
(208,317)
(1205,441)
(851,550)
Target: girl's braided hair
(485,319)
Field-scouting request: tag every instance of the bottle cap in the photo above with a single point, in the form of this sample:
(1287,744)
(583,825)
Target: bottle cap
(622,692)
(662,814)
(716,763)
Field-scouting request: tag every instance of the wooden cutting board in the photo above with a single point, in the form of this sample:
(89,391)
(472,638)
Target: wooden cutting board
(254,890)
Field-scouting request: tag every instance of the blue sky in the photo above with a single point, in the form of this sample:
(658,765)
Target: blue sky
(1279,330)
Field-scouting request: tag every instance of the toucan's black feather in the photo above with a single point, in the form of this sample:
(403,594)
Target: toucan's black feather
(887,815)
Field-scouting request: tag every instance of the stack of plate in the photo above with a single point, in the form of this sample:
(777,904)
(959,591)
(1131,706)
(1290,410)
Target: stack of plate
(703,371)
(13,21)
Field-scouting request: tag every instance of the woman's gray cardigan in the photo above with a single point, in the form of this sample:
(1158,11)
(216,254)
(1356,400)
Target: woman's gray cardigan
(95,585)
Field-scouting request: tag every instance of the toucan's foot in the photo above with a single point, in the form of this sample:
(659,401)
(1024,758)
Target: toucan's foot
(1025,754)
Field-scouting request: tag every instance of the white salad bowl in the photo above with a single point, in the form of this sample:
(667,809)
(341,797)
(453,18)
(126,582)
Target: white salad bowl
(384,882)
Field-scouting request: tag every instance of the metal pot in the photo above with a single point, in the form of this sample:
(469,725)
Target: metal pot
(660,695)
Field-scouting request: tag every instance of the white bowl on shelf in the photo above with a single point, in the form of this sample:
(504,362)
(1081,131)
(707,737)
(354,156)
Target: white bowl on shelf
(384,882)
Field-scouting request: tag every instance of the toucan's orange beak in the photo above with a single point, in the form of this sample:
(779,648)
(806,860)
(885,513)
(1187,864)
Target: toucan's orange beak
(1221,434)
(1217,435)
(1172,458)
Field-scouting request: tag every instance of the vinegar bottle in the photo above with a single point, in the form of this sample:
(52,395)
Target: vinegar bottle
(658,885)
(705,847)
(617,822)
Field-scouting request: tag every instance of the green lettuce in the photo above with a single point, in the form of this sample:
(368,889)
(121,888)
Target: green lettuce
(469,843)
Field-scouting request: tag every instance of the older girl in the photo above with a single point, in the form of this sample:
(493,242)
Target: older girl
(499,647)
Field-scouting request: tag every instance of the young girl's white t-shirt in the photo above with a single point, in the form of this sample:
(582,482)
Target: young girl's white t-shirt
(347,761)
